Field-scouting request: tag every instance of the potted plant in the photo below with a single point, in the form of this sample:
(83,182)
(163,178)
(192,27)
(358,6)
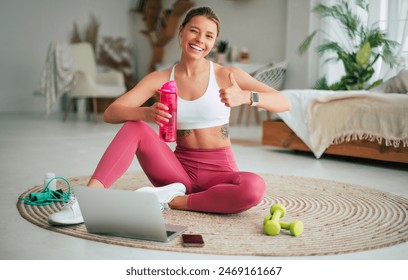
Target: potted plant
(359,50)
(222,48)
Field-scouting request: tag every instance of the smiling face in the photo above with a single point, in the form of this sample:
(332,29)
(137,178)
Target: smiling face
(198,36)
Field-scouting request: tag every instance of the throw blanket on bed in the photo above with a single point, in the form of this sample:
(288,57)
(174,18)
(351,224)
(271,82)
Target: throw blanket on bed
(322,118)
(58,73)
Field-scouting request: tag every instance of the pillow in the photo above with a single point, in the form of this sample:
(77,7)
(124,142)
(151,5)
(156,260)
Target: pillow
(397,84)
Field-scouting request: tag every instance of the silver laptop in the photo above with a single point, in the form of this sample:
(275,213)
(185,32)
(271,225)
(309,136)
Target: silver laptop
(124,213)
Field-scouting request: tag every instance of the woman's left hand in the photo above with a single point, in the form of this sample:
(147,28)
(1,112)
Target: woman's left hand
(233,95)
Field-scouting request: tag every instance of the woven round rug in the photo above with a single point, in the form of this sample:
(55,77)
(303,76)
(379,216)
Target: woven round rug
(338,218)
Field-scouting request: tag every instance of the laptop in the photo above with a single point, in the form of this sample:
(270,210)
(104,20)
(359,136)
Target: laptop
(124,213)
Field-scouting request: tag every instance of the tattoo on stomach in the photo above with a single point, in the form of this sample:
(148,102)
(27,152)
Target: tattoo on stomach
(183,133)
(224,131)
(186,132)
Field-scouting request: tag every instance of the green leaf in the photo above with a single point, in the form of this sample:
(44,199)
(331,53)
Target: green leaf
(364,54)
(330,46)
(323,10)
(365,77)
(375,84)
(388,57)
(322,84)
(338,86)
(362,4)
(304,46)
(375,37)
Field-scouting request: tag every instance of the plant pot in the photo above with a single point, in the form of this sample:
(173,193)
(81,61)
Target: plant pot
(221,58)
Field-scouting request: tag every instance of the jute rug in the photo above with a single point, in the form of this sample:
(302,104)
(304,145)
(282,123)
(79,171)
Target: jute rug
(338,218)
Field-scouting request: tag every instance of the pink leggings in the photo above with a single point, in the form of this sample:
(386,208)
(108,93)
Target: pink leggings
(211,176)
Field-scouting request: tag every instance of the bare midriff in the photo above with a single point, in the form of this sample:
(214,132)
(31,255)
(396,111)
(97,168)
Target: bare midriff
(204,138)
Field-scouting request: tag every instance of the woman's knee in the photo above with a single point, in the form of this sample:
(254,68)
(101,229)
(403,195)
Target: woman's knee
(139,128)
(253,189)
(135,125)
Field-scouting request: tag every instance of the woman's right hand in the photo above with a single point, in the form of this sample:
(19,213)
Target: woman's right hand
(158,113)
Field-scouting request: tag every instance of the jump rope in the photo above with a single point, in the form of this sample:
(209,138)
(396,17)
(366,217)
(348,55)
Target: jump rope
(47,196)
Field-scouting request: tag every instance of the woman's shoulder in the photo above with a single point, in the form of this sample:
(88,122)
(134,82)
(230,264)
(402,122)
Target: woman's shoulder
(223,72)
(226,69)
(161,73)
(159,76)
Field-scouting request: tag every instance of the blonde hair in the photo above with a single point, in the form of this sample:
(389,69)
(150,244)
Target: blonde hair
(202,11)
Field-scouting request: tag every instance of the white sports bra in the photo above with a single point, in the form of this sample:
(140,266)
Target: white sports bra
(205,111)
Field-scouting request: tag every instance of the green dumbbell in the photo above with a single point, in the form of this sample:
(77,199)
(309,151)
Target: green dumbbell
(295,227)
(271,221)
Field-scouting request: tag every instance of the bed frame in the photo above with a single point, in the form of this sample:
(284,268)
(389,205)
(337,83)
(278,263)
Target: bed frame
(278,134)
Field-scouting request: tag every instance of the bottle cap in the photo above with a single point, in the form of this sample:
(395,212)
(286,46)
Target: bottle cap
(169,87)
(50,175)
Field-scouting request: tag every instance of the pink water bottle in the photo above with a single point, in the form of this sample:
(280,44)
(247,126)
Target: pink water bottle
(168,96)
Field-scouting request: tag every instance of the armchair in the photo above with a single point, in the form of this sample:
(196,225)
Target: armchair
(90,84)
(274,76)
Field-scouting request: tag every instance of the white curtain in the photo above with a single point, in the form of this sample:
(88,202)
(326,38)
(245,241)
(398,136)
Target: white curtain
(396,26)
(334,70)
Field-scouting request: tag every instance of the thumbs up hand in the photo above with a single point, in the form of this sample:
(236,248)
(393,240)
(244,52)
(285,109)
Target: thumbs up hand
(233,95)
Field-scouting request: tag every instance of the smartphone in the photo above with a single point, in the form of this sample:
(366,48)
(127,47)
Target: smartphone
(192,240)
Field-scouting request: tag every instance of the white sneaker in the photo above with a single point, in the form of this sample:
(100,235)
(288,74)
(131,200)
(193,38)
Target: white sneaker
(166,193)
(70,214)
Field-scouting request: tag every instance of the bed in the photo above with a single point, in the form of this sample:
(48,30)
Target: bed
(348,123)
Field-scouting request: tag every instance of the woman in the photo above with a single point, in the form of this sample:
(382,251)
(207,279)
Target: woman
(201,174)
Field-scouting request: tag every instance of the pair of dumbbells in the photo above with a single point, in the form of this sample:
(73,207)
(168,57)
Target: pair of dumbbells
(272,224)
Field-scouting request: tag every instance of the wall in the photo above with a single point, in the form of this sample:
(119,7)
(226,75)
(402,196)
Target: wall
(302,69)
(27,28)
(258,25)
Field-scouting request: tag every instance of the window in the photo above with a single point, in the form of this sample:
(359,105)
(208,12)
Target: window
(392,18)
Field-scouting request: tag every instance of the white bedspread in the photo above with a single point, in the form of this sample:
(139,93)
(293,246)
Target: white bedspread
(321,118)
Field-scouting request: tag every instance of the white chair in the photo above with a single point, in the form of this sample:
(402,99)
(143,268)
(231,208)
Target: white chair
(89,83)
(274,76)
